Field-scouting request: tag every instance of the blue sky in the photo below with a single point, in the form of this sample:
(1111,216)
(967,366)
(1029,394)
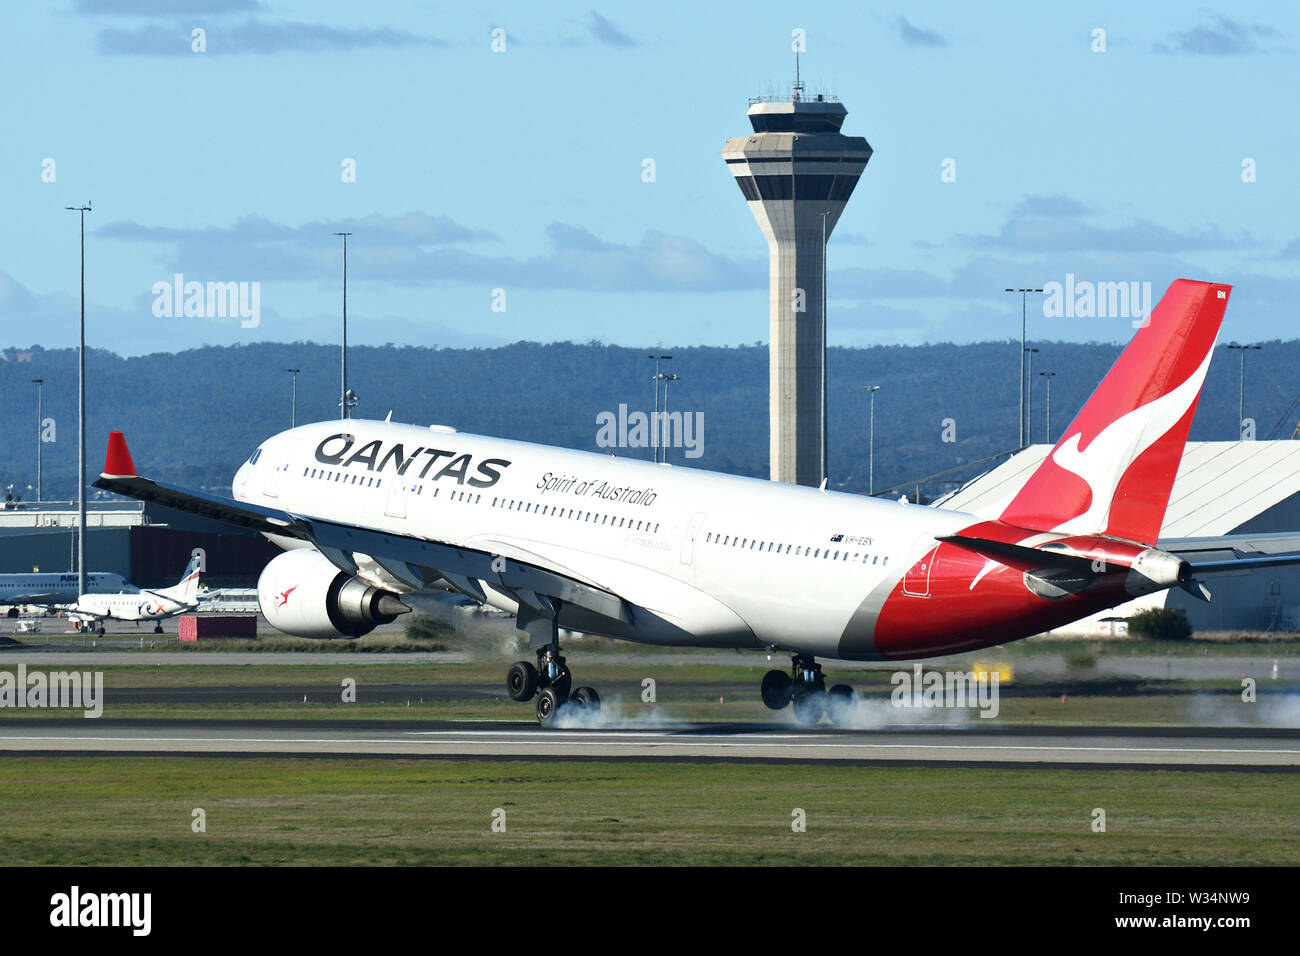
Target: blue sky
(522,170)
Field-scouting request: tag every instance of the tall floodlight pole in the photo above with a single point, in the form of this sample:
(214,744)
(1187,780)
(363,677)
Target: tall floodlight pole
(654,422)
(1023,295)
(343,385)
(1029,395)
(81,412)
(40,390)
(667,379)
(1049,376)
(293,399)
(871,440)
(1241,397)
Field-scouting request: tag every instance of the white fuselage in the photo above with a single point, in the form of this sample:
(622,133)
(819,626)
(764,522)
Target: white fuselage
(719,559)
(125,607)
(49,586)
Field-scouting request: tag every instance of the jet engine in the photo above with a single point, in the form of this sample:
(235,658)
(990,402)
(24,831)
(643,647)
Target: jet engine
(301,593)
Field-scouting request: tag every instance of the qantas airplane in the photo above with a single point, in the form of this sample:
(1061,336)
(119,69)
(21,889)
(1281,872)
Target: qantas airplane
(370,512)
(145,605)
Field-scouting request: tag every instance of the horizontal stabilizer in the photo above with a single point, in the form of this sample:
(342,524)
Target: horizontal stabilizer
(1019,556)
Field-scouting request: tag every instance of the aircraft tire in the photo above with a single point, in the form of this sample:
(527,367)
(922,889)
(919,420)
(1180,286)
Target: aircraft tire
(521,681)
(809,704)
(841,702)
(548,707)
(588,700)
(775,689)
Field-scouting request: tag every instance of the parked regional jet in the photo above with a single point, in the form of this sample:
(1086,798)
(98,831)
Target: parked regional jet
(146,605)
(371,511)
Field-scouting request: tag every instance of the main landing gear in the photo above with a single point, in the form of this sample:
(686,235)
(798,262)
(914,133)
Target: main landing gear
(805,688)
(549,681)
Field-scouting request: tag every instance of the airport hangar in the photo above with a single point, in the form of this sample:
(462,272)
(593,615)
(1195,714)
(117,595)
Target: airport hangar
(1223,487)
(145,543)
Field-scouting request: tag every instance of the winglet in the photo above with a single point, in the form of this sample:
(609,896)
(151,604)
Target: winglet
(117,462)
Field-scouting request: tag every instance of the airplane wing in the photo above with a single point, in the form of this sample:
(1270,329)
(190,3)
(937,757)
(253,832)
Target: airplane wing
(1236,552)
(417,562)
(71,612)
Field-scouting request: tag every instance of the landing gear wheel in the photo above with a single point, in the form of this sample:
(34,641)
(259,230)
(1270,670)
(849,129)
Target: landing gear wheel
(548,707)
(157,629)
(587,700)
(809,704)
(521,681)
(841,705)
(776,689)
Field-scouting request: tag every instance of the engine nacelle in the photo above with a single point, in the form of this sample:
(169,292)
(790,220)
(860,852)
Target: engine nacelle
(301,593)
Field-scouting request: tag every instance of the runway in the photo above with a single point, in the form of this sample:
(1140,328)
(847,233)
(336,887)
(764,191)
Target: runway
(1062,747)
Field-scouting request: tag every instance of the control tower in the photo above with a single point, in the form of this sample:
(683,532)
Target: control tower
(796,172)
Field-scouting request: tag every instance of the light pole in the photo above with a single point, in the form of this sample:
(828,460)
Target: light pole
(81,412)
(1029,395)
(1023,294)
(668,377)
(1049,376)
(343,386)
(1241,399)
(654,422)
(871,440)
(823,441)
(40,396)
(293,401)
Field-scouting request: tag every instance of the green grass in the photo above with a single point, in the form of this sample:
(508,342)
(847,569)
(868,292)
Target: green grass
(111,811)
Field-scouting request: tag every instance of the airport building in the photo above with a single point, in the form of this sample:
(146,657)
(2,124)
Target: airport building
(1228,487)
(146,544)
(797,171)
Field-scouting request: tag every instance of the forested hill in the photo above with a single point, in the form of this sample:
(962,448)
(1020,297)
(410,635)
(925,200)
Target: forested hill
(194,416)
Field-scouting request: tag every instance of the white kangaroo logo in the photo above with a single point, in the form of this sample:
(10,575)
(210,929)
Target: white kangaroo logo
(1119,444)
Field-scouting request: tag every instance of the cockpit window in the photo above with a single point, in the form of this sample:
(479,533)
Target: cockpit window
(252,459)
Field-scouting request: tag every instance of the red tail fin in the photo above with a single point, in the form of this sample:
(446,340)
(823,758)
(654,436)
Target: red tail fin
(117,460)
(1113,469)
